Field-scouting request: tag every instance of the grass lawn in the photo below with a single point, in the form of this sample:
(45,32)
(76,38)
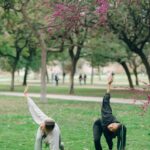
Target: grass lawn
(17,129)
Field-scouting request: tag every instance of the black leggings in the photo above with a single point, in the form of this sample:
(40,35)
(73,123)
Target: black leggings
(97,133)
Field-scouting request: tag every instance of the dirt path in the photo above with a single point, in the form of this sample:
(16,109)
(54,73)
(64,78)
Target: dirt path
(76,98)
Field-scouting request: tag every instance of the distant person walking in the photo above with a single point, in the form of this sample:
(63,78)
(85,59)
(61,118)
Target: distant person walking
(80,79)
(56,79)
(84,78)
(64,74)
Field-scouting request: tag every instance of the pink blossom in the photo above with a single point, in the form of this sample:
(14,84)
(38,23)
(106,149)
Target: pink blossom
(102,10)
(103,6)
(71,16)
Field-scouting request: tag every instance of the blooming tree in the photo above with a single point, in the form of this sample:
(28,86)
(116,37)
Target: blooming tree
(72,20)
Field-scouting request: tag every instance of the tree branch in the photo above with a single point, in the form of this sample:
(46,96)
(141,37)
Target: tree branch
(6,55)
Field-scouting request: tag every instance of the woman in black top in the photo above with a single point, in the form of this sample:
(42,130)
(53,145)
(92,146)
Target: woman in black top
(108,125)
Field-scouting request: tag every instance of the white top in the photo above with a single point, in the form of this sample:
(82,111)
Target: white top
(39,117)
(52,139)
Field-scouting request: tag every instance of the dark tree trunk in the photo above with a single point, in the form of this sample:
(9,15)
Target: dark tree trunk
(73,70)
(75,55)
(124,65)
(12,87)
(92,75)
(146,64)
(134,65)
(63,81)
(63,74)
(136,76)
(25,75)
(99,72)
(12,80)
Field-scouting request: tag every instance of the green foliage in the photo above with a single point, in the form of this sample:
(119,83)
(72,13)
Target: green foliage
(106,48)
(36,61)
(133,23)
(7,52)
(6,46)
(6,64)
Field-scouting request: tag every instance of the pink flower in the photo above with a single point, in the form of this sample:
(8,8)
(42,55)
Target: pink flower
(103,6)
(71,16)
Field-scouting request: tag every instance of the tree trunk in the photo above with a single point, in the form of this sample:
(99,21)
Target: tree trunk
(63,81)
(25,75)
(12,79)
(63,73)
(43,75)
(42,45)
(47,76)
(124,65)
(74,62)
(43,66)
(134,65)
(146,64)
(136,76)
(92,74)
(99,72)
(71,84)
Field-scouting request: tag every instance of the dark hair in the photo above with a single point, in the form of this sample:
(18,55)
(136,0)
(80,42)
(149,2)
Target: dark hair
(121,132)
(49,125)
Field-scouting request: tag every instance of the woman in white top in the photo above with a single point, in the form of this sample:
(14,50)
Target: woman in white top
(48,130)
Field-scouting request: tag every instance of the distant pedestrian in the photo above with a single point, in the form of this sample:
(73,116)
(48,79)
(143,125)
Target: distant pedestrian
(84,78)
(80,79)
(56,79)
(64,74)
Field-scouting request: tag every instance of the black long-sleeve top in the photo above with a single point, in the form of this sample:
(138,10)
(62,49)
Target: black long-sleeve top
(106,111)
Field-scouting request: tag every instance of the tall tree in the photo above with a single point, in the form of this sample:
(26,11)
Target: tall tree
(39,33)
(35,20)
(134,63)
(30,57)
(106,49)
(132,26)
(19,43)
(14,29)
(77,18)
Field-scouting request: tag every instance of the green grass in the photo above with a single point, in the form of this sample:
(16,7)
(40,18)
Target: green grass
(17,129)
(79,90)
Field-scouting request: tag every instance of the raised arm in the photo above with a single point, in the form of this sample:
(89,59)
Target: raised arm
(109,83)
(38,116)
(106,110)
